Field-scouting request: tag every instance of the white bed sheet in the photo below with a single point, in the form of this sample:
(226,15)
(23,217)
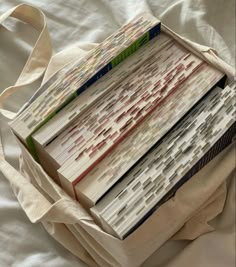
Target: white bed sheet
(72,22)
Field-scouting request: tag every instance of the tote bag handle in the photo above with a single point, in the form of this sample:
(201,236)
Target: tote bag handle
(42,51)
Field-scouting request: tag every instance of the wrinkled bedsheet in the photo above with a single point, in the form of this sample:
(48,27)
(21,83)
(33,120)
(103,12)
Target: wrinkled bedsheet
(72,22)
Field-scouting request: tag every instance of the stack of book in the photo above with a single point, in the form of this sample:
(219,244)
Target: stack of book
(121,135)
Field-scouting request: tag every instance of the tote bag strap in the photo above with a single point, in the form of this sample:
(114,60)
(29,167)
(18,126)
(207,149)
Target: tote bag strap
(39,57)
(206,53)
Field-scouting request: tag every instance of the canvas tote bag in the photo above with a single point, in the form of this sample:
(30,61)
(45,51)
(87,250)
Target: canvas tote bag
(184,216)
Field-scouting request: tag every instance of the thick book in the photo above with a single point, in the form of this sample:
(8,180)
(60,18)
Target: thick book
(71,82)
(188,147)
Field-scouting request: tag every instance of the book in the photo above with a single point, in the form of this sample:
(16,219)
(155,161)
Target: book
(189,146)
(71,82)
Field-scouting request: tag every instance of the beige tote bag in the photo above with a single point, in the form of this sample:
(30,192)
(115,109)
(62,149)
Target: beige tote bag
(184,216)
